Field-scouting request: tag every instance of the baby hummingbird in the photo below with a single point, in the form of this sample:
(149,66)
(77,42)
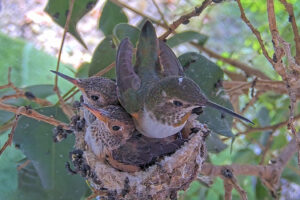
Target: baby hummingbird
(112,128)
(155,91)
(96,91)
(140,151)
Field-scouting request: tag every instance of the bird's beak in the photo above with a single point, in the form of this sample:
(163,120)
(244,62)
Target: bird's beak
(101,114)
(68,78)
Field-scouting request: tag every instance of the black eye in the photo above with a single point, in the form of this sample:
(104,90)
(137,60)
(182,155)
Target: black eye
(177,103)
(94,97)
(115,128)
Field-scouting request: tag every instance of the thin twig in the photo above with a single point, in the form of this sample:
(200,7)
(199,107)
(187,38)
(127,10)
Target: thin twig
(11,134)
(242,66)
(67,111)
(23,165)
(71,95)
(184,19)
(255,32)
(289,8)
(33,114)
(106,69)
(160,13)
(267,128)
(269,174)
(19,93)
(124,5)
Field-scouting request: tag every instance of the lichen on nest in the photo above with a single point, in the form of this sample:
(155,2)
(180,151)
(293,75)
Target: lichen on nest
(161,180)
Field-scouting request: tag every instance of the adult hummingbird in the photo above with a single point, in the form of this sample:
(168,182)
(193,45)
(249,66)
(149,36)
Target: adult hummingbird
(112,128)
(155,91)
(96,91)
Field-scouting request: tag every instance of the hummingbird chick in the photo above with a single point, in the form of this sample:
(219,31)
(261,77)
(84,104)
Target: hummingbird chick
(155,91)
(96,91)
(113,128)
(140,151)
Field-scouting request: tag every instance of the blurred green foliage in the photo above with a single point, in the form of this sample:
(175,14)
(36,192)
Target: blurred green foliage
(222,30)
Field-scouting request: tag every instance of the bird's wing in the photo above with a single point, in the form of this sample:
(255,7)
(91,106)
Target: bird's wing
(170,64)
(128,82)
(147,63)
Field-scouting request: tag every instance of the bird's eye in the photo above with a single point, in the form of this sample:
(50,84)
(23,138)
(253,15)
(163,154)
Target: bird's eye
(177,103)
(116,128)
(94,97)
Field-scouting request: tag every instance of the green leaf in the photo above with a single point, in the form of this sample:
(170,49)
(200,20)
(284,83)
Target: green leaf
(40,91)
(112,15)
(261,191)
(187,36)
(209,77)
(290,174)
(29,65)
(58,10)
(29,184)
(83,70)
(246,156)
(5,117)
(8,168)
(122,31)
(104,55)
(214,144)
(47,157)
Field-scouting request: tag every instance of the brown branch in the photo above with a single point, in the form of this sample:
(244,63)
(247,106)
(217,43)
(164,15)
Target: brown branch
(185,18)
(20,93)
(231,182)
(263,85)
(267,128)
(123,5)
(11,134)
(255,32)
(6,126)
(281,69)
(228,187)
(242,66)
(270,174)
(23,165)
(160,13)
(33,114)
(252,101)
(266,148)
(106,69)
(66,110)
(289,8)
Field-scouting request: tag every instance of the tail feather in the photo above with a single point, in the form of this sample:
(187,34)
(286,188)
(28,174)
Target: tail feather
(226,110)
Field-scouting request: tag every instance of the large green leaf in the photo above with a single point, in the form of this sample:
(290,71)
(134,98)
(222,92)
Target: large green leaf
(40,91)
(214,144)
(8,168)
(112,15)
(209,77)
(58,10)
(47,157)
(83,70)
(29,184)
(104,55)
(187,36)
(123,30)
(29,65)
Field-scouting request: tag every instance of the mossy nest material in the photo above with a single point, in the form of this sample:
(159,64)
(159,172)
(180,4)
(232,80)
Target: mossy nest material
(161,180)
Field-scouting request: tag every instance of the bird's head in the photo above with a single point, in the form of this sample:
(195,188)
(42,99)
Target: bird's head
(174,97)
(96,91)
(117,121)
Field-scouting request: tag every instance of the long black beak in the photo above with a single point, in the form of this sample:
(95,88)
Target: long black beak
(226,110)
(68,78)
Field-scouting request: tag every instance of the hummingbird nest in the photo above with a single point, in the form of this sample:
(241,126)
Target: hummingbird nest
(159,180)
